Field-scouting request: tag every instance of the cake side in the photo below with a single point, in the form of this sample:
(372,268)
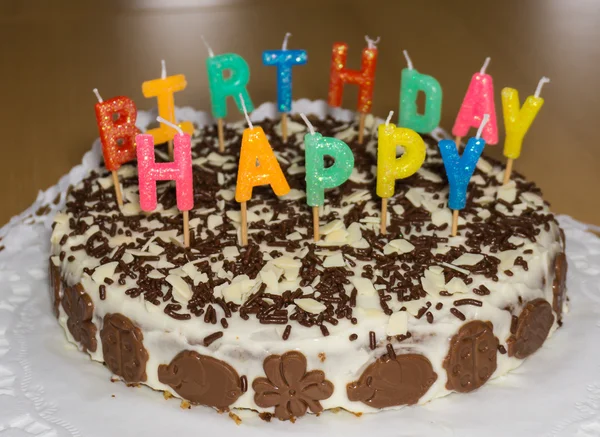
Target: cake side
(219,324)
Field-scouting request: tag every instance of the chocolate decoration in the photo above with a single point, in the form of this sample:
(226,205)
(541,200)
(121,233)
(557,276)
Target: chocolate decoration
(54,273)
(471,359)
(289,387)
(559,285)
(123,348)
(533,327)
(80,309)
(392,381)
(201,379)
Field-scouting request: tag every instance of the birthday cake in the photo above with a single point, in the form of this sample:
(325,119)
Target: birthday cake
(286,326)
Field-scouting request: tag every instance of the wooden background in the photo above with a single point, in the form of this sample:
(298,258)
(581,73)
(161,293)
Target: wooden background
(54,52)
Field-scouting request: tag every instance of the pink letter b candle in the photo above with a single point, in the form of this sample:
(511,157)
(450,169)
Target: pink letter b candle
(180,171)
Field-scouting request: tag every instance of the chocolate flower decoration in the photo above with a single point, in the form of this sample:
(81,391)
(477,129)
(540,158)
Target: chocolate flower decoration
(80,309)
(289,387)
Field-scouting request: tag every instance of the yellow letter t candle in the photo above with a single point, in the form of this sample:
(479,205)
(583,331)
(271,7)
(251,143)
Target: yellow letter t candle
(163,89)
(390,167)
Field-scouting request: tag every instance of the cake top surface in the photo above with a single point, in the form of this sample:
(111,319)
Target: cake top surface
(283,277)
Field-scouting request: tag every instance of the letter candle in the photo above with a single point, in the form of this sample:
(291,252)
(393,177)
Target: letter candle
(220,88)
(389,167)
(180,170)
(163,89)
(116,125)
(412,83)
(517,121)
(284,60)
(258,166)
(319,178)
(459,169)
(478,100)
(364,78)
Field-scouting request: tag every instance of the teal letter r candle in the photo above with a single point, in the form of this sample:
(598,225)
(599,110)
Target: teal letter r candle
(234,85)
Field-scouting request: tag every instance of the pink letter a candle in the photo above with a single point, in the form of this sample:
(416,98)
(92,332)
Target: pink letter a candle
(478,100)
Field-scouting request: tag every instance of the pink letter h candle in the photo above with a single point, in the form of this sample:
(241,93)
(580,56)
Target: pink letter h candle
(180,171)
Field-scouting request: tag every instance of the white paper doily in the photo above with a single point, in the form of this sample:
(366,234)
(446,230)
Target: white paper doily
(48,388)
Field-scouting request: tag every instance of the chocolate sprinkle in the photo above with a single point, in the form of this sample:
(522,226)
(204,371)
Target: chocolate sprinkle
(210,339)
(473,302)
(458,314)
(372,340)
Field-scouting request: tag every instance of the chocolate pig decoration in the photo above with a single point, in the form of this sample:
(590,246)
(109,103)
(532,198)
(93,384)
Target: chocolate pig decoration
(201,379)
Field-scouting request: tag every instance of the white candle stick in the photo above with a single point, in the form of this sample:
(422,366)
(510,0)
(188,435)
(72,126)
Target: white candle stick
(168,123)
(371,43)
(308,123)
(163,69)
(485,65)
(389,117)
(540,84)
(98,96)
(245,112)
(285,41)
(210,50)
(408,60)
(484,121)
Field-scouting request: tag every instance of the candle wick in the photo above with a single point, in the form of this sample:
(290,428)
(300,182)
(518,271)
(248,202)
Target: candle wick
(245,111)
(285,41)
(168,123)
(163,69)
(408,61)
(98,96)
(371,43)
(210,51)
(484,121)
(308,123)
(541,83)
(485,65)
(389,117)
